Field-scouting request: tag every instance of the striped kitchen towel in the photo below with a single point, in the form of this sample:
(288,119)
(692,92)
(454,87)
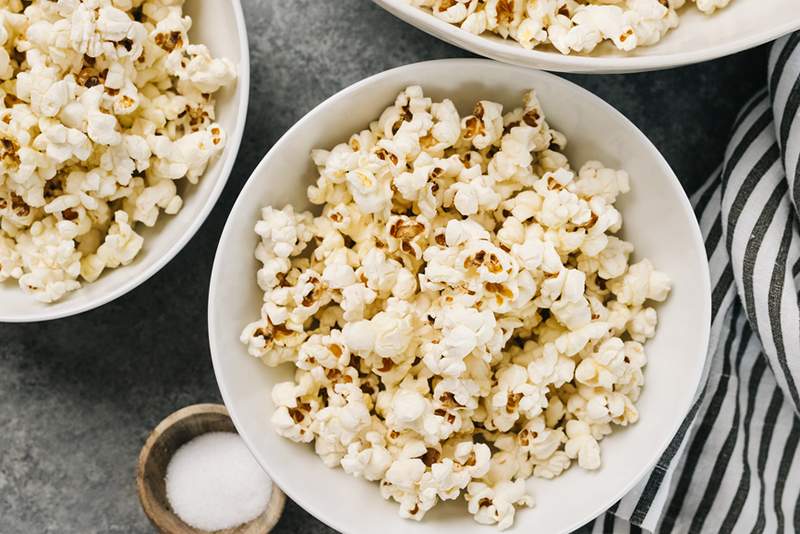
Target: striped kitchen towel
(734,466)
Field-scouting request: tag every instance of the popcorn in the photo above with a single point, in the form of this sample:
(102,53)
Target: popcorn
(402,484)
(540,441)
(497,504)
(642,326)
(368,460)
(460,315)
(582,445)
(709,6)
(106,111)
(411,411)
(10,260)
(513,397)
(370,193)
(122,243)
(345,416)
(569,26)
(553,466)
(392,334)
(355,299)
(640,283)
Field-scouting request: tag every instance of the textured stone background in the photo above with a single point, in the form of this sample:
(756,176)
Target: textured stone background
(79,396)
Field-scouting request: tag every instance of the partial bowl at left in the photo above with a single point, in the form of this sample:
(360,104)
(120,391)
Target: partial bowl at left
(220,26)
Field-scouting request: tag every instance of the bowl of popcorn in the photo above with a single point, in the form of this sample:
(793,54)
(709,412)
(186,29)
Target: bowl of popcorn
(460,291)
(601,36)
(120,123)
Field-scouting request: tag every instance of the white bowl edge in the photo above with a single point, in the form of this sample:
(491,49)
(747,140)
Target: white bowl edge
(282,479)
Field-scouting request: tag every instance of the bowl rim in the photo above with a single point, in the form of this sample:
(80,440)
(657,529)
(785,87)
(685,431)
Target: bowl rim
(696,241)
(234,140)
(509,51)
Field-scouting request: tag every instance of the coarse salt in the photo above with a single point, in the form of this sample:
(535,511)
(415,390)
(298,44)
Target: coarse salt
(214,483)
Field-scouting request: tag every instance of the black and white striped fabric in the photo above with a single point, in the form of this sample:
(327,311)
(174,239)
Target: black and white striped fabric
(735,464)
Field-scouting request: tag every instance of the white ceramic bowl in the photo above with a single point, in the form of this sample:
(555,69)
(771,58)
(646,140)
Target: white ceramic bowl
(219,25)
(743,24)
(658,219)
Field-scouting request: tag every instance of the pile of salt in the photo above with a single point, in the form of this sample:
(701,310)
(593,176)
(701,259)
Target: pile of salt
(214,483)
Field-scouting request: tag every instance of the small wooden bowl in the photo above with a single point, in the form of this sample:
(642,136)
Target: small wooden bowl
(177,429)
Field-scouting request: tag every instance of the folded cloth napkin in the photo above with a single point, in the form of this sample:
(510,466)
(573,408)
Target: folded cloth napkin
(734,465)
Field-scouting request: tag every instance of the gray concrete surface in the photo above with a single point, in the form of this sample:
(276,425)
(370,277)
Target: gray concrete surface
(79,396)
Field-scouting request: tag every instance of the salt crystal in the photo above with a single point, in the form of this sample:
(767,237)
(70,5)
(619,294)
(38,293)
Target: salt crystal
(214,483)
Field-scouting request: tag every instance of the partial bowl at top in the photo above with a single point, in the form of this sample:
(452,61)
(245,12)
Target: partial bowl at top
(220,26)
(743,24)
(658,221)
